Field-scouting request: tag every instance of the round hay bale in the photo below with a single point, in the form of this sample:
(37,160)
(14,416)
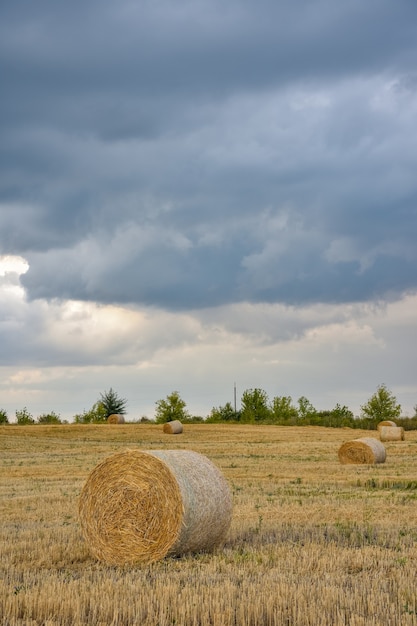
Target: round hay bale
(140,506)
(391,433)
(385,423)
(366,450)
(173,428)
(116,418)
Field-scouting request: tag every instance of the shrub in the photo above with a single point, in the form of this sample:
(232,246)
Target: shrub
(194,419)
(339,417)
(171,409)
(224,413)
(96,415)
(49,418)
(23,417)
(408,423)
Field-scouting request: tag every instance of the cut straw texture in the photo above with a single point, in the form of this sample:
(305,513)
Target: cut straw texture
(140,506)
(385,423)
(391,433)
(116,418)
(173,428)
(366,450)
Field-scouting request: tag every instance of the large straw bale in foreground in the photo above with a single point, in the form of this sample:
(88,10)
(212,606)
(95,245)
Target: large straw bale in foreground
(173,428)
(140,506)
(391,433)
(116,418)
(366,450)
(385,423)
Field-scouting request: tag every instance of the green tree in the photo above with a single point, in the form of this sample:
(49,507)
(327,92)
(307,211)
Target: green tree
(338,417)
(381,406)
(307,414)
(341,416)
(49,418)
(23,417)
(3,417)
(255,406)
(96,415)
(224,413)
(170,409)
(112,403)
(283,411)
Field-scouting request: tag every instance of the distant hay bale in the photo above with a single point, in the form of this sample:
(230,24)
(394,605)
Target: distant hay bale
(116,418)
(366,450)
(385,423)
(391,433)
(173,428)
(140,506)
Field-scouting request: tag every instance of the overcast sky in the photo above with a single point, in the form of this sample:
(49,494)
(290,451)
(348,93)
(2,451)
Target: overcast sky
(199,193)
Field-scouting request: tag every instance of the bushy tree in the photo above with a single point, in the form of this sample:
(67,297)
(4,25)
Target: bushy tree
(23,417)
(342,416)
(338,417)
(49,418)
(224,413)
(283,411)
(96,415)
(255,406)
(381,406)
(408,423)
(307,414)
(3,417)
(112,403)
(172,408)
(194,419)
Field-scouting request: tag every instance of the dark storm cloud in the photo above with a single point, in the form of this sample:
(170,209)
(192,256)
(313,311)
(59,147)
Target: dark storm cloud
(200,153)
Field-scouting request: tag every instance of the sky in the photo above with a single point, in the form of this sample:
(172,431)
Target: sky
(198,196)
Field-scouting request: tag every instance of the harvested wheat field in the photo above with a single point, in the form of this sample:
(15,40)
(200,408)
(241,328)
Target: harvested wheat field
(312,541)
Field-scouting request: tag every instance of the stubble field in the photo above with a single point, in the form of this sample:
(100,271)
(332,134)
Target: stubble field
(312,542)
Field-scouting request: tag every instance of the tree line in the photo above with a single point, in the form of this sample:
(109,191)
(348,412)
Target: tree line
(256,408)
(108,404)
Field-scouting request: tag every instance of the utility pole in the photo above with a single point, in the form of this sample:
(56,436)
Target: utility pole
(234,389)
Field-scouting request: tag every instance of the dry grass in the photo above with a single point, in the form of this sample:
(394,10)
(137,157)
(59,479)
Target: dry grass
(312,541)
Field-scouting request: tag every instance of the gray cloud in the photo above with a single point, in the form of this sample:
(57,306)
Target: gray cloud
(204,154)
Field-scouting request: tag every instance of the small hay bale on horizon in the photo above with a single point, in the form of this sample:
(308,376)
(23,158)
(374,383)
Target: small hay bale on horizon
(173,428)
(141,506)
(365,450)
(385,423)
(391,433)
(116,418)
